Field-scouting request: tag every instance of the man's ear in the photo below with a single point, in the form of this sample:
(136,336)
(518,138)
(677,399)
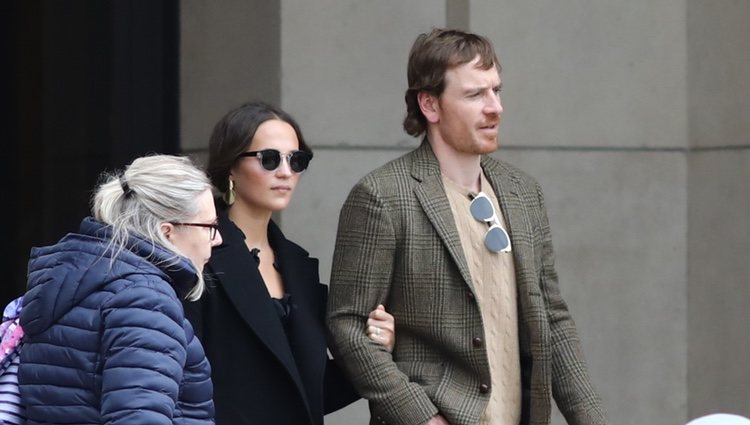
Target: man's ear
(428,104)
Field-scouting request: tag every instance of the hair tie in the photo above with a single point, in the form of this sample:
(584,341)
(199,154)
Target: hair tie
(125,188)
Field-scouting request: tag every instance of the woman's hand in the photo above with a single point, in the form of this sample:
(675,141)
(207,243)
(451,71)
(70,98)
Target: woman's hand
(437,420)
(381,328)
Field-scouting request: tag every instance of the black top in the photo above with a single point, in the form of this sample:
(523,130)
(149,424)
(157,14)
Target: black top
(284,309)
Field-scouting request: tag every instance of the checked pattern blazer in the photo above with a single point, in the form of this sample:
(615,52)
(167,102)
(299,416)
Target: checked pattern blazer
(397,244)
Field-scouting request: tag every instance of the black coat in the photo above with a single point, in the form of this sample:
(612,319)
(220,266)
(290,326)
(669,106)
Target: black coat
(262,375)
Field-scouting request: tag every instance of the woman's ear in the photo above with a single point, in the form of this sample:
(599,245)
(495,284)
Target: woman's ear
(428,104)
(167,229)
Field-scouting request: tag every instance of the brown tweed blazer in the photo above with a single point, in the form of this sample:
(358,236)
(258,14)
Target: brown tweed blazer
(397,244)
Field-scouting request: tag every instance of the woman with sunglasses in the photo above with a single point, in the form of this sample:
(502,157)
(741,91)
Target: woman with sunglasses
(261,320)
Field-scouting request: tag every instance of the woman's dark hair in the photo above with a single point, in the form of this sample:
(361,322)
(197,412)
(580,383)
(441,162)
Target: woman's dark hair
(431,55)
(234,133)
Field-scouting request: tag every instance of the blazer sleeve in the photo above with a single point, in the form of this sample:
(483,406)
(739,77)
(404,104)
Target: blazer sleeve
(144,352)
(571,384)
(363,262)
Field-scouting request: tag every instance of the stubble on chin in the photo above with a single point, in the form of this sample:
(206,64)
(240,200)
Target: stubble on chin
(486,147)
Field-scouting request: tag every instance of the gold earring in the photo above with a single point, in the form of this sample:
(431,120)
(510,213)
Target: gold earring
(229,194)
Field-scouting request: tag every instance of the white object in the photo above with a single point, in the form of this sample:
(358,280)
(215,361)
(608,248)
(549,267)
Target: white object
(720,419)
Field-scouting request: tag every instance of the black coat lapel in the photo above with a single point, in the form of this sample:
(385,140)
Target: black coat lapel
(301,280)
(306,331)
(237,272)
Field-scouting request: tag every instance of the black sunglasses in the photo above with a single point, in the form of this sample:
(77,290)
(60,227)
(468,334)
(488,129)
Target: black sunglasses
(212,227)
(270,159)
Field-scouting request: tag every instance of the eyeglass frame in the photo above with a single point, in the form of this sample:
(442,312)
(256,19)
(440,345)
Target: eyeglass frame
(287,156)
(213,227)
(493,221)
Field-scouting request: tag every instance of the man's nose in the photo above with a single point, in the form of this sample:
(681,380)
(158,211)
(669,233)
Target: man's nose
(494,105)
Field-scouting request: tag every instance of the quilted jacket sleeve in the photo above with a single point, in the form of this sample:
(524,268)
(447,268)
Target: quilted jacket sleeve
(144,350)
(195,405)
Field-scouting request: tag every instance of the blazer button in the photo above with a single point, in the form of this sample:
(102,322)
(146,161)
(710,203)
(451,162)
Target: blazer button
(484,388)
(470,295)
(477,341)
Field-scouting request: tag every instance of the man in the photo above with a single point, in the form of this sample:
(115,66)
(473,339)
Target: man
(483,334)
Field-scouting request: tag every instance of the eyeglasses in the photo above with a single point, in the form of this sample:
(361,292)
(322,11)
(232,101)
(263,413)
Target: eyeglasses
(212,227)
(270,159)
(496,239)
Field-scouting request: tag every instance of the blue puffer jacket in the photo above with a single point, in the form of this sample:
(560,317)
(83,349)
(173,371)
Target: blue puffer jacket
(107,341)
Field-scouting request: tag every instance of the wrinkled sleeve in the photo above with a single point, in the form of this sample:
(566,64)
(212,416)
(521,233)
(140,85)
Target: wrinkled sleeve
(363,263)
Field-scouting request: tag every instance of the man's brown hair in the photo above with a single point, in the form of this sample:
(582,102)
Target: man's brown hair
(431,55)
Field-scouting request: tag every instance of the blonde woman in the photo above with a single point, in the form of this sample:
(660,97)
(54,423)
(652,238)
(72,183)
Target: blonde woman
(106,337)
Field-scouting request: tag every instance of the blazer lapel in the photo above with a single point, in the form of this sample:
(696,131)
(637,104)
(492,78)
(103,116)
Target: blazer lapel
(431,195)
(507,189)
